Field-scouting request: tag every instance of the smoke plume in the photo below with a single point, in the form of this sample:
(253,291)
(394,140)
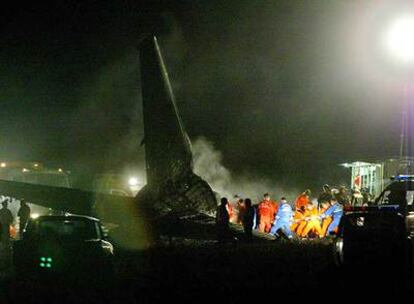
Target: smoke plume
(208,163)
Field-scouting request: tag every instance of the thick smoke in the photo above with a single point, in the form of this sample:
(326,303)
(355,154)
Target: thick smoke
(208,163)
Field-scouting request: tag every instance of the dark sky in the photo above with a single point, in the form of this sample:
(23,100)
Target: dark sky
(286,90)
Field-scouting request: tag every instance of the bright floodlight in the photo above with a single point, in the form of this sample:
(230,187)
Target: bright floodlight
(400,38)
(133,181)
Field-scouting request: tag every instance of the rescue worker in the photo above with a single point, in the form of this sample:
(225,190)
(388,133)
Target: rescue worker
(248,219)
(283,219)
(266,211)
(297,219)
(222,221)
(303,199)
(326,220)
(24,215)
(335,211)
(311,221)
(6,220)
(342,197)
(325,194)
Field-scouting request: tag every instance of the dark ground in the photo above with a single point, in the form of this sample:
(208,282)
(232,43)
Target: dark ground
(200,270)
(183,271)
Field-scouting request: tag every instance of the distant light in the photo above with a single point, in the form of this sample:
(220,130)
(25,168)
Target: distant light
(60,170)
(25,170)
(400,38)
(133,181)
(339,246)
(45,262)
(3,165)
(36,165)
(34,215)
(404,177)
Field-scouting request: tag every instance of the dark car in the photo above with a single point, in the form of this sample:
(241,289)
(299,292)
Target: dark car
(64,244)
(381,233)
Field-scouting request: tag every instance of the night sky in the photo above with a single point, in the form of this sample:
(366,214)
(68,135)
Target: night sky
(285,90)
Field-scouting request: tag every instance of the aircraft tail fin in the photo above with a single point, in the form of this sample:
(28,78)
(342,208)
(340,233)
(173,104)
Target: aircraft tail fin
(169,160)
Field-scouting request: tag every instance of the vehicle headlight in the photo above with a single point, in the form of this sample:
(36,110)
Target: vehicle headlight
(339,245)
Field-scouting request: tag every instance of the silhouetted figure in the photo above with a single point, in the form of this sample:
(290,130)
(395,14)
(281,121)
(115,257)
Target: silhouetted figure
(241,206)
(342,196)
(357,197)
(222,221)
(325,195)
(248,218)
(366,197)
(6,219)
(398,197)
(24,215)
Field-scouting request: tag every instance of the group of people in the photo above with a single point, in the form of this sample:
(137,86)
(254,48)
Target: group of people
(7,220)
(303,218)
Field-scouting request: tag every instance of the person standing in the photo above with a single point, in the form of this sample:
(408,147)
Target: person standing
(343,197)
(6,219)
(24,215)
(325,195)
(248,218)
(266,210)
(241,206)
(357,197)
(302,200)
(222,221)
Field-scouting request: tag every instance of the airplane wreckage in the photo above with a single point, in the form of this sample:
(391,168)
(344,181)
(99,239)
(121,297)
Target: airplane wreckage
(172,187)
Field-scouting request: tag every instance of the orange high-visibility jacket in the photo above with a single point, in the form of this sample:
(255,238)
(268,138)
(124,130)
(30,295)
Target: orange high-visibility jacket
(301,201)
(312,223)
(297,219)
(313,213)
(267,209)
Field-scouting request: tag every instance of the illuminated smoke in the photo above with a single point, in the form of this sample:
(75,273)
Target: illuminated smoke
(208,164)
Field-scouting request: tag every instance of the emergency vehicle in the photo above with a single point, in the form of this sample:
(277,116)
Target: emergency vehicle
(381,232)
